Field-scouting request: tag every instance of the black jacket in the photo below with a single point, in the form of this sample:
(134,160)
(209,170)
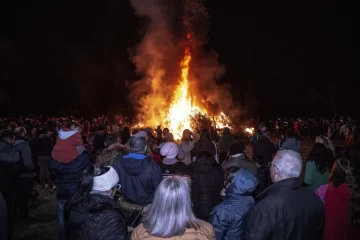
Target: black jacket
(3,218)
(43,145)
(263,150)
(11,167)
(99,220)
(286,210)
(207,181)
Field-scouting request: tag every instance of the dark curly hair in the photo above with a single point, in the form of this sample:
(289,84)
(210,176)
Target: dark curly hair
(323,158)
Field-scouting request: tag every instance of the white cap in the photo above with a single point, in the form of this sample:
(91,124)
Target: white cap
(169,150)
(106,181)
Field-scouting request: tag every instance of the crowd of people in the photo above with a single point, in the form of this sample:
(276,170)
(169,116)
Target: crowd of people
(115,183)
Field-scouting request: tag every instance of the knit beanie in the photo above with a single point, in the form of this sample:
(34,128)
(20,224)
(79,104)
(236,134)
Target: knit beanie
(169,150)
(106,181)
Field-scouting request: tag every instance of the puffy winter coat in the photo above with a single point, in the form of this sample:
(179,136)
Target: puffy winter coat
(286,210)
(139,177)
(207,181)
(69,174)
(228,218)
(99,220)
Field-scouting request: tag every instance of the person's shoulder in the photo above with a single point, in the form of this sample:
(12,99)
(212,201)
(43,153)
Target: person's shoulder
(271,201)
(205,228)
(140,232)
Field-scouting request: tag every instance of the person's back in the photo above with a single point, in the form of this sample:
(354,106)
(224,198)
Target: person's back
(68,146)
(98,220)
(10,168)
(286,209)
(68,174)
(139,176)
(207,179)
(3,218)
(228,218)
(170,216)
(170,165)
(318,166)
(263,150)
(91,211)
(291,144)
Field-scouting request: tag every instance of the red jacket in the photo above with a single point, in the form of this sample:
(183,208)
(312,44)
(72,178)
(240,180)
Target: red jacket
(337,226)
(65,148)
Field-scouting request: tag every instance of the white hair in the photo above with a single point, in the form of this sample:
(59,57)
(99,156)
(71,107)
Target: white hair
(288,163)
(20,131)
(171,210)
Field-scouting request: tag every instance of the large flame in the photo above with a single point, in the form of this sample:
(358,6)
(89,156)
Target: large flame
(183,106)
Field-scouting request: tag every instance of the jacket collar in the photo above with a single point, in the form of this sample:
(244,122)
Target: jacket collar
(289,183)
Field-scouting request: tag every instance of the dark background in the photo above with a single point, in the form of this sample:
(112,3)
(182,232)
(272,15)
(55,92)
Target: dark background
(58,55)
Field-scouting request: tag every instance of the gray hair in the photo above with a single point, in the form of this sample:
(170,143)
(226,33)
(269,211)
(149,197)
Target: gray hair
(288,163)
(19,131)
(137,144)
(171,211)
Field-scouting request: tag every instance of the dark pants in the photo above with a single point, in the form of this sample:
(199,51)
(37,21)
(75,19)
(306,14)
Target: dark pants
(61,224)
(44,163)
(10,201)
(23,194)
(3,218)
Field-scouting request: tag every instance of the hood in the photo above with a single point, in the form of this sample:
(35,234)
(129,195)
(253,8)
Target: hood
(66,133)
(17,142)
(134,163)
(81,213)
(8,154)
(203,165)
(243,183)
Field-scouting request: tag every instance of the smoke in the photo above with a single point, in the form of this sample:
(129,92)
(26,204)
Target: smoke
(171,25)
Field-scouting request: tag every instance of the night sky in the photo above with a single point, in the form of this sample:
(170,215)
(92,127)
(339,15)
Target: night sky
(278,56)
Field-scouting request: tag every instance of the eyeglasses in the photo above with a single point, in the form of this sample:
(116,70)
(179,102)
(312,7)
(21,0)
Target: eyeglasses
(118,186)
(271,164)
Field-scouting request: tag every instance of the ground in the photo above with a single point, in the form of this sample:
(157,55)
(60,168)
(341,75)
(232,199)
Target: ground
(43,225)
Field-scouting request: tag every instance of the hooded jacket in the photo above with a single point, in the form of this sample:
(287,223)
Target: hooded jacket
(10,167)
(207,181)
(139,177)
(67,144)
(228,218)
(97,220)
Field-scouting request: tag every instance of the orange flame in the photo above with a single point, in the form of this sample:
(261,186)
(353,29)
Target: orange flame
(183,105)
